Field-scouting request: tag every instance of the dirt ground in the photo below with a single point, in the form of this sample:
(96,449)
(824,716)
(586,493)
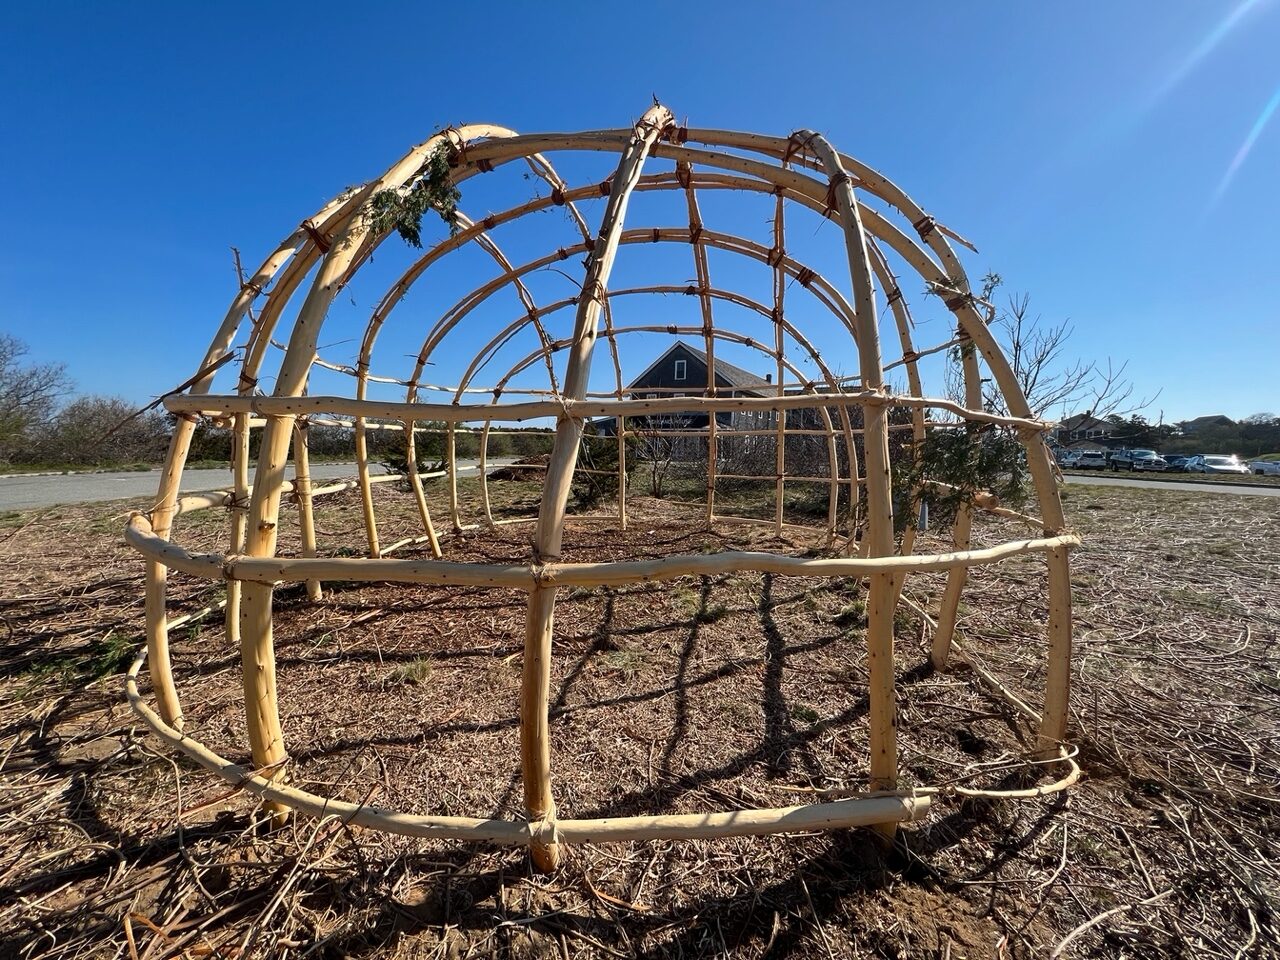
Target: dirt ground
(696,695)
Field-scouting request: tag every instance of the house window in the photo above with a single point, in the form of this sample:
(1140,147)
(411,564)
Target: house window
(681,369)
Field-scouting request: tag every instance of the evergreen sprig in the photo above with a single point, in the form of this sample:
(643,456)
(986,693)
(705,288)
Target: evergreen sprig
(402,209)
(972,459)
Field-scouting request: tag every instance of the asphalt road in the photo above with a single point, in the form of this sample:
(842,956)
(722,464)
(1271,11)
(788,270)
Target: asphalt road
(1236,489)
(32,492)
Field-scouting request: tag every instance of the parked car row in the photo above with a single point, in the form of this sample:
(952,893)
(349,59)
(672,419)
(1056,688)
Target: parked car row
(1148,461)
(1265,468)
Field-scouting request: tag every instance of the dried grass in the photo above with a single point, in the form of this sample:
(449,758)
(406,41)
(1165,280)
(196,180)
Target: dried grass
(705,694)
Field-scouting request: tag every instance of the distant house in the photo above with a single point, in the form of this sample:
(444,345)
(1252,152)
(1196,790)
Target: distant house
(1191,427)
(682,372)
(1084,427)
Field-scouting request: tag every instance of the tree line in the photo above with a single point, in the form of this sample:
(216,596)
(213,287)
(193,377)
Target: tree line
(1254,436)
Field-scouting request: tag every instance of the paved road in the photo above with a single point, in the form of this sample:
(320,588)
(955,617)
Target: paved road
(1240,489)
(34,492)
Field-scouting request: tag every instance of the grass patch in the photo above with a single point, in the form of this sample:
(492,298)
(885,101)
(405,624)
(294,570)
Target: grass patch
(628,661)
(414,673)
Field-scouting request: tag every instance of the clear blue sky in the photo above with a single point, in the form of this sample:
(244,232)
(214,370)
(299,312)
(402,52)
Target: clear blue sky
(1113,159)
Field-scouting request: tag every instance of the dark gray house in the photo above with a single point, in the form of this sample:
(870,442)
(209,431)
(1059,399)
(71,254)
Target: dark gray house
(682,371)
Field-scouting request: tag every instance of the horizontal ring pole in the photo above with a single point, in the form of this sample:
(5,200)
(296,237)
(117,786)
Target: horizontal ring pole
(225,405)
(528,576)
(856,812)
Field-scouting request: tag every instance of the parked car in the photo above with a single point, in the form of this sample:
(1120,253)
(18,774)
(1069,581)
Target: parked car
(1133,460)
(1265,468)
(1215,463)
(1090,461)
(1068,458)
(1177,463)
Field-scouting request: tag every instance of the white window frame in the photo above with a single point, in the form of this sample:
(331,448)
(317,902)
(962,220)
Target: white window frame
(681,370)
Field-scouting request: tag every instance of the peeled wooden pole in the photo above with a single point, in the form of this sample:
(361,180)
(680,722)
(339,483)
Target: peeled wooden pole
(239,509)
(362,473)
(158,576)
(415,484)
(526,577)
(535,746)
(949,606)
(302,490)
(223,405)
(257,647)
(897,303)
(451,474)
(703,275)
(837,814)
(1053,726)
(780,450)
(883,738)
(295,248)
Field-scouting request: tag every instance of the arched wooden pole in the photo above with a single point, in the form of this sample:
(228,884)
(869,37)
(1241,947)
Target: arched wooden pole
(486,244)
(702,274)
(897,304)
(257,646)
(821,288)
(535,738)
(883,737)
(294,248)
(721,333)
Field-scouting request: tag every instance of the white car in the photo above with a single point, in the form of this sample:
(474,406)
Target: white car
(1265,468)
(1215,463)
(1090,460)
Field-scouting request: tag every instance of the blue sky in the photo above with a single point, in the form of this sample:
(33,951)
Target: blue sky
(1113,159)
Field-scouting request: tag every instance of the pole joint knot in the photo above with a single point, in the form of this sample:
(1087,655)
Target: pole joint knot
(318,238)
(925,226)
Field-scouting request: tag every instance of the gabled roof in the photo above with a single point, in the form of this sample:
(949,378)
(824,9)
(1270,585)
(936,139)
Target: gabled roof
(1209,420)
(1084,421)
(733,376)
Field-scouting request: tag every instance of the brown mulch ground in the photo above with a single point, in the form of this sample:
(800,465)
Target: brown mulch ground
(696,695)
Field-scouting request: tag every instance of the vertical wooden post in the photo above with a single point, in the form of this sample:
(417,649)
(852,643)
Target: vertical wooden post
(535,745)
(366,488)
(240,439)
(484,474)
(302,489)
(415,483)
(157,577)
(880,606)
(902,318)
(1053,725)
(620,424)
(451,470)
(703,275)
(779,344)
(949,607)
